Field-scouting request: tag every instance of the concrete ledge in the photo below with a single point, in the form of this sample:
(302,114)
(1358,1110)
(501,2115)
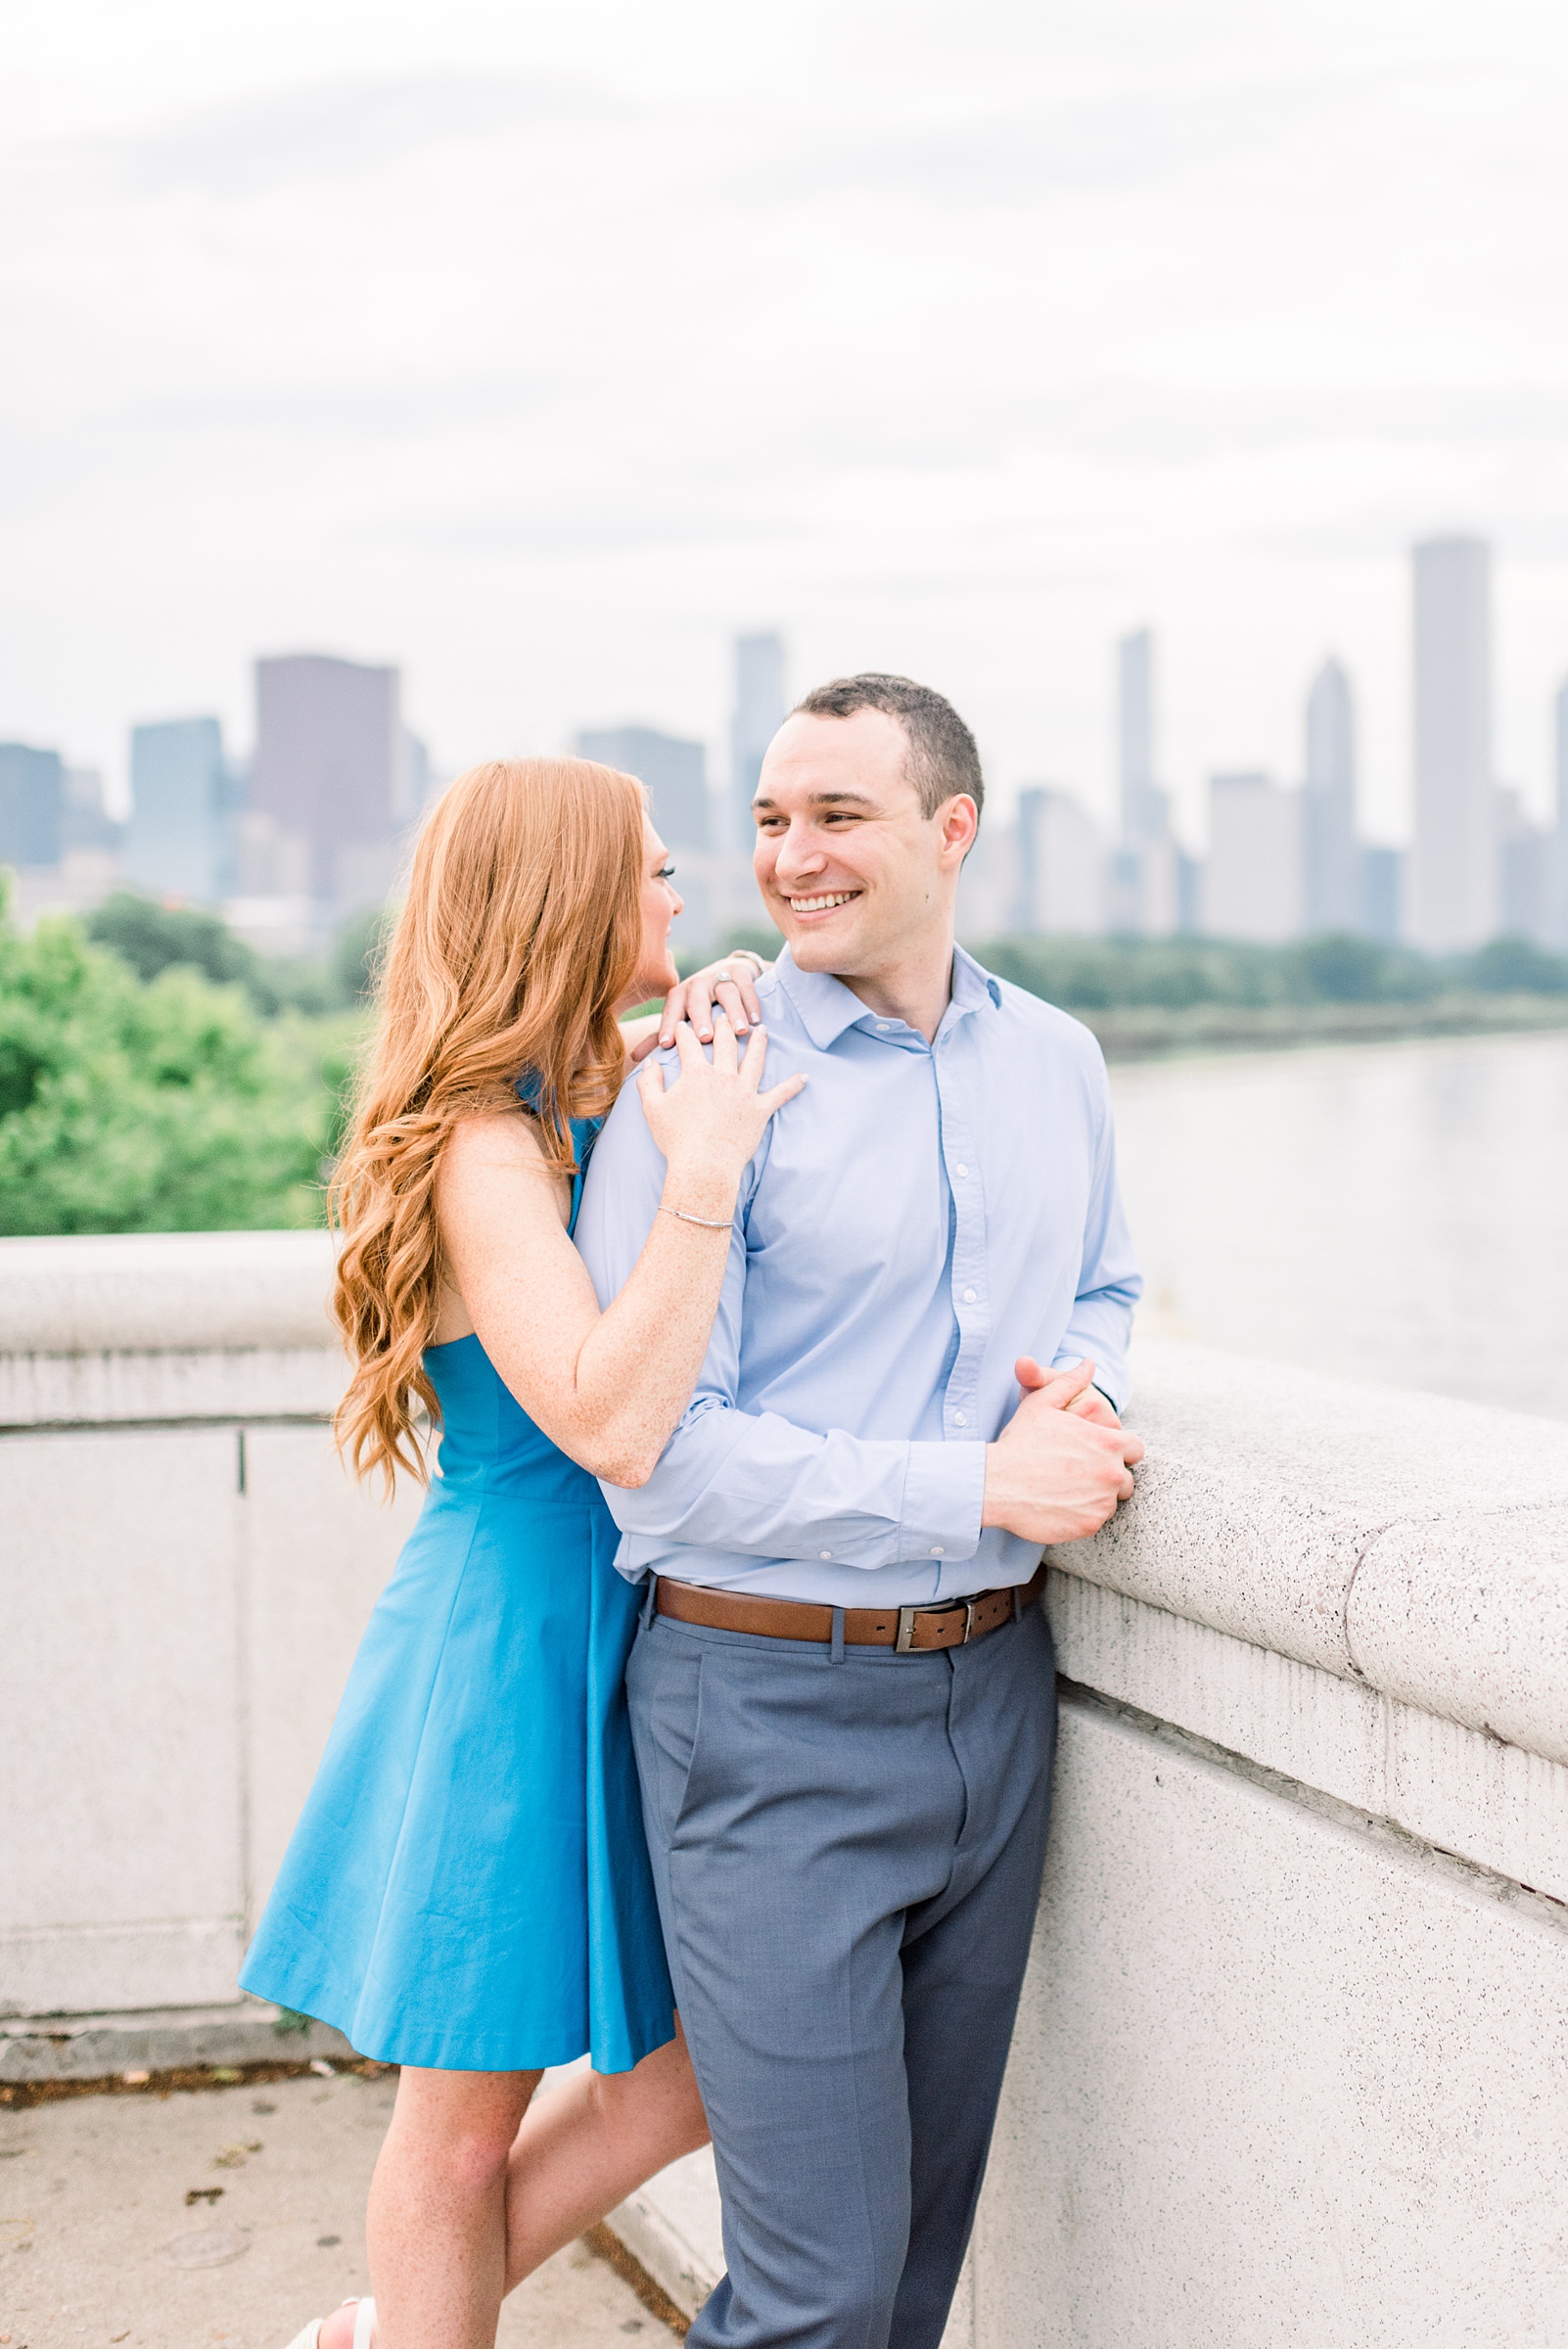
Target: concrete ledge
(107,1390)
(1464,1792)
(100,2047)
(161,1293)
(179,1962)
(1402,1541)
(1470,1619)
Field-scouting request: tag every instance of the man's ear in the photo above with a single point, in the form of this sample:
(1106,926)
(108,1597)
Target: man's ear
(961,821)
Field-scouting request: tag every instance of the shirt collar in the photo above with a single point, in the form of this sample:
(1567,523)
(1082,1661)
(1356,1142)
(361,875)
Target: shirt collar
(827,1007)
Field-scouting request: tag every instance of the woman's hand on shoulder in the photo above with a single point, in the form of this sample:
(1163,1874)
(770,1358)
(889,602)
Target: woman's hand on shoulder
(709,1123)
(728,985)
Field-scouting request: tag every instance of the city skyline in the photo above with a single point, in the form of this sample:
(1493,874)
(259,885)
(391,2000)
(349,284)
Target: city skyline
(315,822)
(1142,797)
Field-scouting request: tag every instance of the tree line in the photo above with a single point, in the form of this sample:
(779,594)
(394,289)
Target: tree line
(158,1074)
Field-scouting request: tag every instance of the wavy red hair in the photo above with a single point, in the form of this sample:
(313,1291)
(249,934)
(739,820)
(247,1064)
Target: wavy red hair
(517,942)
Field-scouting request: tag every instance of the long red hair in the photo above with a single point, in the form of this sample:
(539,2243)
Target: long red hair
(516,941)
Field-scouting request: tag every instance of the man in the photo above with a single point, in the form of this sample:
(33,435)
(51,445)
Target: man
(842,1693)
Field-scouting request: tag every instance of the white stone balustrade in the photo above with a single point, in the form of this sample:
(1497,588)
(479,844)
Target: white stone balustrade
(1292,2060)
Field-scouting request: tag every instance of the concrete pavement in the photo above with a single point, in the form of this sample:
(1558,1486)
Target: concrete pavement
(228,2217)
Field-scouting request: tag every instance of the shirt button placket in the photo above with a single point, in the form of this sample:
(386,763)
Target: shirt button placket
(968,1266)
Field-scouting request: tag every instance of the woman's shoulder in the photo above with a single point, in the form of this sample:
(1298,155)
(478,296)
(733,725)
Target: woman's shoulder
(500,1137)
(489,1176)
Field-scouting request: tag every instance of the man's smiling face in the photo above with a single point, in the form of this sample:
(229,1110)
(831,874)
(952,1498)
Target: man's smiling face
(851,871)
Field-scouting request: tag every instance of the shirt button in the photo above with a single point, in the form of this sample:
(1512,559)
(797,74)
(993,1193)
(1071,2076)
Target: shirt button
(960,1421)
(824,1553)
(884,1024)
(963,1170)
(969,1296)
(937,1549)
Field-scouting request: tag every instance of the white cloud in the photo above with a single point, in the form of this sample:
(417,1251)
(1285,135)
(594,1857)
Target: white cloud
(541,352)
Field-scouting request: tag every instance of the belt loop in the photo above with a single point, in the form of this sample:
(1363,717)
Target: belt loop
(645,1613)
(1018,1602)
(838,1636)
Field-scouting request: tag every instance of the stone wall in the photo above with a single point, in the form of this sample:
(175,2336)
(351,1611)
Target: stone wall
(184,1574)
(1292,2062)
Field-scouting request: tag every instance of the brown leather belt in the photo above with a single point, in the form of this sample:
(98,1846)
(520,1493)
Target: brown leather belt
(910,1630)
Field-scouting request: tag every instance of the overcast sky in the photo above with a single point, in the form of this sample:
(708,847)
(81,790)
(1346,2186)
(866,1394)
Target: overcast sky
(538,349)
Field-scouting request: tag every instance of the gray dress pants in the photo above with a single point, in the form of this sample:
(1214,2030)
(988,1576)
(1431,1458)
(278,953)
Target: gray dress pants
(847,1845)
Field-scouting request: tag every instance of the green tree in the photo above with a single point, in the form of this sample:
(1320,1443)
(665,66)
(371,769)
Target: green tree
(163,1106)
(1517,966)
(154,938)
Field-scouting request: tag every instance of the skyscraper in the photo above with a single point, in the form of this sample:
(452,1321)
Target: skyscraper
(1526,858)
(1060,865)
(1557,894)
(31,799)
(1144,885)
(1253,881)
(175,843)
(332,770)
(761,709)
(1332,870)
(1384,885)
(1454,861)
(674,772)
(1146,808)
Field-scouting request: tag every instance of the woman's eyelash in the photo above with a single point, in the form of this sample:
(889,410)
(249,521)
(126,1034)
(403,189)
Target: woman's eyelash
(665,872)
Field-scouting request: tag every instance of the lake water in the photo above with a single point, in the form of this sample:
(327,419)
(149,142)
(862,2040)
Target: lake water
(1391,1211)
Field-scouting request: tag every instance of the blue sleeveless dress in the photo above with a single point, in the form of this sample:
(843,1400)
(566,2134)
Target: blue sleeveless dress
(468,1888)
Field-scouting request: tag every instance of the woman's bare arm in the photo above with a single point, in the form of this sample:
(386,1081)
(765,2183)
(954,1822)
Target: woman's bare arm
(608,1388)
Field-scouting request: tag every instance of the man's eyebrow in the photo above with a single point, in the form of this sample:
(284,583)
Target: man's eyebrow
(825,799)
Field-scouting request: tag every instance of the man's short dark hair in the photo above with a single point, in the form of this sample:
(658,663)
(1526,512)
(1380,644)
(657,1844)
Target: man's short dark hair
(943,758)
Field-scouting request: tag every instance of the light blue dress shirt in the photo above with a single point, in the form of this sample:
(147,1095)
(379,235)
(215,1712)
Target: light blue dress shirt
(915,1219)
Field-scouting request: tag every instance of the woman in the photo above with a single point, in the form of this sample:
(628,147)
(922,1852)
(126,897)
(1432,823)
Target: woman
(468,1893)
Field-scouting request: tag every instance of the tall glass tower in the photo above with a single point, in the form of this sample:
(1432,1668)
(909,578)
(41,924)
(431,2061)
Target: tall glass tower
(761,709)
(175,841)
(1453,862)
(1332,875)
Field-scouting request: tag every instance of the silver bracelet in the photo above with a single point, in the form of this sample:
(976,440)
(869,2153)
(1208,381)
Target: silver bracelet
(706,1221)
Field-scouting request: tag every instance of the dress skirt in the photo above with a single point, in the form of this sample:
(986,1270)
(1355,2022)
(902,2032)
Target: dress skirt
(468,1888)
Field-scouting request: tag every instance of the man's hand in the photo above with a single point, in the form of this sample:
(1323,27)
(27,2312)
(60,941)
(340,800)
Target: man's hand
(1056,1473)
(1089,1403)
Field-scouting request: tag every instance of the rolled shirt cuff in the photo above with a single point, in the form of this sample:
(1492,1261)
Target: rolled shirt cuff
(943,1501)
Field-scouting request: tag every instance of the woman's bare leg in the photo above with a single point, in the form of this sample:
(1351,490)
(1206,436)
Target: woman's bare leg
(585,2147)
(477,2185)
(437,2221)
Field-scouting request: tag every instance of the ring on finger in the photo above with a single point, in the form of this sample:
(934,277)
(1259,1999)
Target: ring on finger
(724,977)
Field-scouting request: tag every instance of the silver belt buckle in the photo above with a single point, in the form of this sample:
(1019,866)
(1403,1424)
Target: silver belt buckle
(904,1645)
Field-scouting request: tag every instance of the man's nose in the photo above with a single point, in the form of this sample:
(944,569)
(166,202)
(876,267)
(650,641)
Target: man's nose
(799,857)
